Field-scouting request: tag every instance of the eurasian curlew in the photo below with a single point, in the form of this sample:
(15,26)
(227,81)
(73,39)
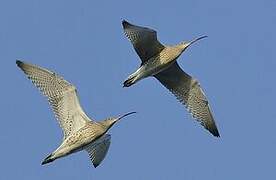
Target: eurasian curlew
(79,131)
(160,61)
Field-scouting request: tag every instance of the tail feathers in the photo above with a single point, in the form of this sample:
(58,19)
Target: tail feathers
(48,159)
(129,82)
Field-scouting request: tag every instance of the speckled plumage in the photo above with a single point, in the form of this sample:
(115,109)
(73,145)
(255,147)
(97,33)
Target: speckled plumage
(160,61)
(80,132)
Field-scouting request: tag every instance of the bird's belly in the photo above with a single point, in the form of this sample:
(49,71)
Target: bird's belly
(152,69)
(76,142)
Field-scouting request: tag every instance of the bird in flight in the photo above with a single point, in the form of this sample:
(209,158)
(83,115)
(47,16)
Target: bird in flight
(79,131)
(159,61)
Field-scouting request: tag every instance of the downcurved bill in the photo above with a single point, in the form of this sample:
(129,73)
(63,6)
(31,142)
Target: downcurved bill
(195,40)
(120,117)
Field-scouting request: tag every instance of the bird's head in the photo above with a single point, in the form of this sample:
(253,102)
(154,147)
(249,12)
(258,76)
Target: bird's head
(109,122)
(184,45)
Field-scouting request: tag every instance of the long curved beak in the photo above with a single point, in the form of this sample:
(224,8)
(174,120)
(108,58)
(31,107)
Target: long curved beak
(195,40)
(120,117)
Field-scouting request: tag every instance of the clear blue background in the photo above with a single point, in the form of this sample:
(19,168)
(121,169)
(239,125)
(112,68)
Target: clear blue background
(84,42)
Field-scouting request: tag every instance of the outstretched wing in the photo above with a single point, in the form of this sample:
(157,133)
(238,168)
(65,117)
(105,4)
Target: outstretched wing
(188,92)
(61,95)
(144,40)
(98,149)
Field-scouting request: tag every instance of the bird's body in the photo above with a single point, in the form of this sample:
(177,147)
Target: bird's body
(77,141)
(155,64)
(79,131)
(160,61)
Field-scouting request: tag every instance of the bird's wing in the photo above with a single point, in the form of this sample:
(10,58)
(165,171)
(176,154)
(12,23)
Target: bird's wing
(188,92)
(98,149)
(144,40)
(61,95)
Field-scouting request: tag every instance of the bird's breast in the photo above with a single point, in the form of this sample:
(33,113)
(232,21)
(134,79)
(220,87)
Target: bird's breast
(168,55)
(81,138)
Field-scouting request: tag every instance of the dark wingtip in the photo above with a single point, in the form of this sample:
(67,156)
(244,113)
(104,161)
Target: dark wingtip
(95,165)
(125,23)
(215,132)
(19,63)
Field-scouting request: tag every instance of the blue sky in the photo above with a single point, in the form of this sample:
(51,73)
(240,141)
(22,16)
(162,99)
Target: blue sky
(84,42)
